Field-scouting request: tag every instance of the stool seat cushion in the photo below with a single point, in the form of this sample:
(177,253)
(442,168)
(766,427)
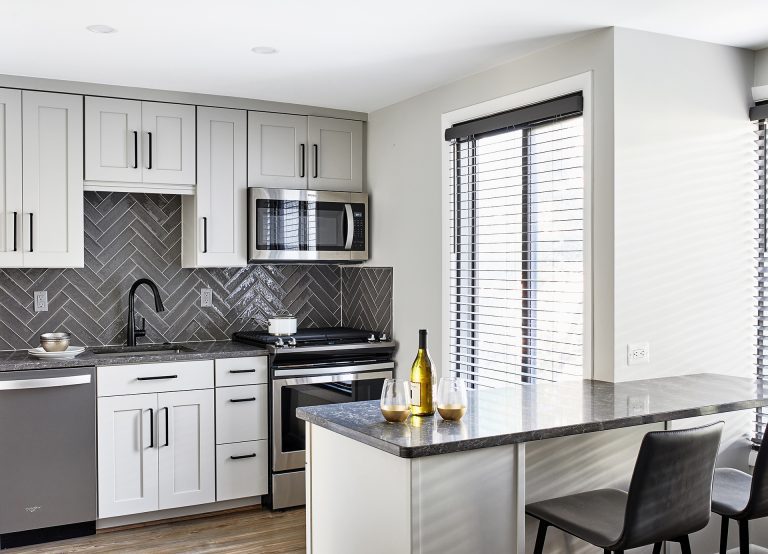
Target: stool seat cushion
(730,491)
(595,516)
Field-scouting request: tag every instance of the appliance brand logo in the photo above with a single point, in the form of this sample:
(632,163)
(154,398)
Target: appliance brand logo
(33,509)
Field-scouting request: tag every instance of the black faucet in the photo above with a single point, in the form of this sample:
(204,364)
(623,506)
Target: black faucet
(132,331)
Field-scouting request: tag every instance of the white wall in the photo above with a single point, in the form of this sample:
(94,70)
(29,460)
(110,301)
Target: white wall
(404,180)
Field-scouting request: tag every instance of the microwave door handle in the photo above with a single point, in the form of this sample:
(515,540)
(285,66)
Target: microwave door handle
(350,226)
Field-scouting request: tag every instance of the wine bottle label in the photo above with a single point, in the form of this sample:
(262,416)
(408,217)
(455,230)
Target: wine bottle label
(415,394)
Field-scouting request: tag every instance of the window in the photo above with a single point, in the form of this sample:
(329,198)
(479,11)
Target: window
(759,115)
(516,267)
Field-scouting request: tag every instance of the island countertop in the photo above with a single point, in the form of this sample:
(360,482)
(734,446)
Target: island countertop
(537,411)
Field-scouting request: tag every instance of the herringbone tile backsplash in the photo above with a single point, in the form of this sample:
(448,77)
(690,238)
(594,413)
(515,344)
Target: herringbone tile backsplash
(129,236)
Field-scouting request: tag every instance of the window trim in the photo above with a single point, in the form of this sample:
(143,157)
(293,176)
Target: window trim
(578,83)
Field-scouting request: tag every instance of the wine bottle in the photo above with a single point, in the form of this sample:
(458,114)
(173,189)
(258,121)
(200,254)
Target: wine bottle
(422,380)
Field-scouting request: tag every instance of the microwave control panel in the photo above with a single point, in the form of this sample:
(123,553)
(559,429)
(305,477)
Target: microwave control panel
(358,226)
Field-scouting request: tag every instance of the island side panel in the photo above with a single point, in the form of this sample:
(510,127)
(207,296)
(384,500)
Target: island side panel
(359,498)
(472,501)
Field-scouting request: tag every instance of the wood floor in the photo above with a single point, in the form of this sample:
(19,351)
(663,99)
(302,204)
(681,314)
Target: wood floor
(245,532)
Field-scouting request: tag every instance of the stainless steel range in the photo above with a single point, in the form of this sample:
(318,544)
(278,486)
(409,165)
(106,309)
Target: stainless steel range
(311,368)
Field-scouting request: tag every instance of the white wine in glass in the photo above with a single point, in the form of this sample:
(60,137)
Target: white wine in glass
(396,400)
(451,398)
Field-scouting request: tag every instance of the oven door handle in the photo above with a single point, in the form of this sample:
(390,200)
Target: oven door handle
(331,371)
(350,226)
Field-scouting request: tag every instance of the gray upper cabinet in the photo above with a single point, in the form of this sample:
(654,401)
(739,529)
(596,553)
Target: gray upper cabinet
(299,152)
(336,154)
(214,219)
(41,179)
(10,179)
(135,146)
(277,146)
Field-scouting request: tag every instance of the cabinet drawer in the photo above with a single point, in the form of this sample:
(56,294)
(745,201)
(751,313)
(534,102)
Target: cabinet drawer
(119,380)
(241,413)
(241,470)
(241,371)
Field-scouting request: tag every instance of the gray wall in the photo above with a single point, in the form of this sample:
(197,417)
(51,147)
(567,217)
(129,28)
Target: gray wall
(673,217)
(404,179)
(129,236)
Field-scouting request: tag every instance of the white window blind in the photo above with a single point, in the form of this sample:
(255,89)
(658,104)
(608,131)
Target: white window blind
(761,275)
(517,251)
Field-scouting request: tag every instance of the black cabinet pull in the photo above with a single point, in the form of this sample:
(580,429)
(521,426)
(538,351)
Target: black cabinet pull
(15,233)
(205,235)
(31,232)
(151,428)
(135,149)
(242,371)
(156,377)
(167,435)
(303,160)
(251,399)
(314,168)
(150,150)
(244,456)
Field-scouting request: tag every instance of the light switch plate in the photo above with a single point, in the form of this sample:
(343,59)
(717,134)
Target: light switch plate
(41,301)
(206,298)
(638,353)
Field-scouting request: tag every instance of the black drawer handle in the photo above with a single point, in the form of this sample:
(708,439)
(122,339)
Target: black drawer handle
(242,371)
(251,399)
(243,457)
(157,377)
(151,428)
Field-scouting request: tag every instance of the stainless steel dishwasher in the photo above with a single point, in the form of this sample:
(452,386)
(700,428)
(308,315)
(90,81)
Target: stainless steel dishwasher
(47,455)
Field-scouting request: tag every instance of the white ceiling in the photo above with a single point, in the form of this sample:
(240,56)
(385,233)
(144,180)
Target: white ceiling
(351,54)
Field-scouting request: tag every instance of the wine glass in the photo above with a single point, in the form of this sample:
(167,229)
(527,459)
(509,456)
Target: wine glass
(396,400)
(451,398)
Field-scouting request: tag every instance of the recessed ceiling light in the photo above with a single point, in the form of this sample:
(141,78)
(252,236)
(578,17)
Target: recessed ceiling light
(264,50)
(101,29)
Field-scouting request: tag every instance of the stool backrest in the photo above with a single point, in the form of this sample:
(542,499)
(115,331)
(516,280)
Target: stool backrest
(670,494)
(758,496)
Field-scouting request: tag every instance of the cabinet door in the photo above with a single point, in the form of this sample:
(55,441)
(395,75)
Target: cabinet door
(277,150)
(52,226)
(336,154)
(169,143)
(112,137)
(215,234)
(187,453)
(127,455)
(10,178)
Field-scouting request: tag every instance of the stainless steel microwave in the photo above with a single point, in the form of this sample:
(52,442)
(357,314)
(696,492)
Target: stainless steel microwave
(307,225)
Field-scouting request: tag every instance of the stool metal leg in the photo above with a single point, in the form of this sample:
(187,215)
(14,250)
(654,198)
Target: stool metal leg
(657,548)
(724,535)
(685,545)
(540,536)
(743,536)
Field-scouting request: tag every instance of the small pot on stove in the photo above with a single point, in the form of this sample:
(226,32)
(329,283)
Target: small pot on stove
(281,325)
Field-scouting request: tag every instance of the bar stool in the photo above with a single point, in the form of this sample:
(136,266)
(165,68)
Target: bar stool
(737,495)
(669,497)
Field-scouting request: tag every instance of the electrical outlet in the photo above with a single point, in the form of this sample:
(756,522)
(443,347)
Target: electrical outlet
(206,298)
(639,353)
(41,301)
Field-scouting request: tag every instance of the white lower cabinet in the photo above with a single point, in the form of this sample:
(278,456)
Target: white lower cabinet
(242,452)
(186,449)
(128,470)
(156,447)
(241,470)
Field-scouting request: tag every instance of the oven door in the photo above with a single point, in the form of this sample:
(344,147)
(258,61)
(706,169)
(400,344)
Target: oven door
(296,225)
(289,393)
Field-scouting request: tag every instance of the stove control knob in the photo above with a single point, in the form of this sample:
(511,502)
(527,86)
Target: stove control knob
(279,343)
(383,337)
(291,341)
(372,338)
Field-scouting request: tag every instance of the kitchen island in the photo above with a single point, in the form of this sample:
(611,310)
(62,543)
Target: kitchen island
(430,485)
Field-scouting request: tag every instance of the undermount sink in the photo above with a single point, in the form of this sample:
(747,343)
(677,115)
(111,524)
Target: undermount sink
(145,350)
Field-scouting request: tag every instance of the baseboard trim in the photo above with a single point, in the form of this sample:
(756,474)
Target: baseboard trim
(176,514)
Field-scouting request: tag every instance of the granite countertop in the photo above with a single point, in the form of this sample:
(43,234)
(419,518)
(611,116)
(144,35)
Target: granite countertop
(540,411)
(211,350)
